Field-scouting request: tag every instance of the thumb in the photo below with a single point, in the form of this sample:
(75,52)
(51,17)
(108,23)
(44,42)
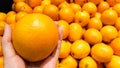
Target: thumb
(8,50)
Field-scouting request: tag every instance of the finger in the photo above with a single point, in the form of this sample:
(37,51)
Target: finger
(7,47)
(56,51)
(60,33)
(56,23)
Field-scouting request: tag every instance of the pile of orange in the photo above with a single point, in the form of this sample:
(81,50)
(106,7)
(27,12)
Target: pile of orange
(91,29)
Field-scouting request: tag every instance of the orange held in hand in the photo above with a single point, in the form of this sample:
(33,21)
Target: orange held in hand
(35,36)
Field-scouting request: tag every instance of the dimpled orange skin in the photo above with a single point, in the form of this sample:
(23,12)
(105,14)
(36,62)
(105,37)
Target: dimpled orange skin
(35,36)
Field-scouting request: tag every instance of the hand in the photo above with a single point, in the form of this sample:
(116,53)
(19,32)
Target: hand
(12,60)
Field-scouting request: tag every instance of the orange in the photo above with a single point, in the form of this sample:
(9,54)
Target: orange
(69,43)
(101,52)
(38,9)
(35,34)
(1,62)
(75,7)
(66,14)
(57,64)
(2,24)
(103,6)
(113,2)
(65,27)
(87,62)
(45,2)
(92,36)
(95,22)
(116,7)
(0,49)
(22,6)
(69,62)
(117,24)
(109,33)
(82,17)
(11,19)
(115,44)
(0,46)
(75,32)
(64,50)
(2,16)
(52,11)
(33,3)
(80,49)
(63,4)
(60,65)
(56,2)
(97,14)
(89,7)
(114,63)
(109,17)
(13,6)
(95,1)
(17,0)
(11,13)
(80,2)
(19,15)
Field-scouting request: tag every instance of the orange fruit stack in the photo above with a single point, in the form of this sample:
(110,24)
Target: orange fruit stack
(91,29)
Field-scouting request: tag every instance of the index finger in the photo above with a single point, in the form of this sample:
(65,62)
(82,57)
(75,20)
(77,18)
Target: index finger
(7,47)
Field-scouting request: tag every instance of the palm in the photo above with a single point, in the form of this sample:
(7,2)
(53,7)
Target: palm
(12,60)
